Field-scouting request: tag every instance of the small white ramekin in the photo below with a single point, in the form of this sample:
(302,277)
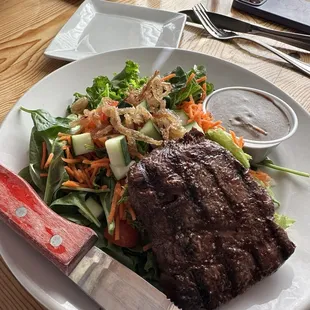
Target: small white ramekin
(259,150)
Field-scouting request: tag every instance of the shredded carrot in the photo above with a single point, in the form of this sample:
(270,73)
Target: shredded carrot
(43,159)
(70,171)
(147,247)
(104,187)
(116,236)
(48,161)
(132,213)
(43,175)
(168,77)
(87,179)
(61,134)
(238,141)
(98,143)
(87,162)
(202,79)
(68,153)
(92,178)
(190,78)
(109,172)
(100,165)
(195,113)
(114,202)
(102,160)
(71,160)
(262,176)
(121,210)
(80,176)
(64,138)
(204,87)
(71,184)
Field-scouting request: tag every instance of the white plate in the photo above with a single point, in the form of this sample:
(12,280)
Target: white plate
(286,289)
(100,26)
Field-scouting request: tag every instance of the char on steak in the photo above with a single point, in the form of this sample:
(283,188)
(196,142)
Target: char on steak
(211,224)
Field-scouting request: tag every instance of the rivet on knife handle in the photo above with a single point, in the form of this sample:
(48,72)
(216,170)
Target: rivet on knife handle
(62,242)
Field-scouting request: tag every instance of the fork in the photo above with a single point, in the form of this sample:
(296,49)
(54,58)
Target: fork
(220,34)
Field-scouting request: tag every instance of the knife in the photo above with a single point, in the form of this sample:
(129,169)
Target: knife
(230,23)
(71,248)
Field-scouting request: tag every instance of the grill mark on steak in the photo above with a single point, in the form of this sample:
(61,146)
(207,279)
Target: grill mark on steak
(212,240)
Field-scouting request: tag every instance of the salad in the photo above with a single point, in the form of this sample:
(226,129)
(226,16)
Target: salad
(78,163)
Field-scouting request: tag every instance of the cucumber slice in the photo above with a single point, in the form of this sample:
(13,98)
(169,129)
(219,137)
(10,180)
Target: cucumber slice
(150,130)
(191,125)
(117,150)
(121,171)
(82,143)
(183,116)
(144,104)
(94,207)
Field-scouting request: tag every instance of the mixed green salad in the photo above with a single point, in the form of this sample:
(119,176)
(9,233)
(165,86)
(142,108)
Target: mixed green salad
(78,163)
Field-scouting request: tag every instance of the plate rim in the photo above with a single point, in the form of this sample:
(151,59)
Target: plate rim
(16,106)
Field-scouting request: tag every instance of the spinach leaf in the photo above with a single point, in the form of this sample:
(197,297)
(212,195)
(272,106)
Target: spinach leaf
(181,89)
(44,122)
(35,155)
(76,199)
(56,172)
(76,218)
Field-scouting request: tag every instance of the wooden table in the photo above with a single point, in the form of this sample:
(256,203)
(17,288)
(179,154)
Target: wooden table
(27,27)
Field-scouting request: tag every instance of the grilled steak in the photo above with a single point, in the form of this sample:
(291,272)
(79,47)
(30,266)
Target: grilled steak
(211,224)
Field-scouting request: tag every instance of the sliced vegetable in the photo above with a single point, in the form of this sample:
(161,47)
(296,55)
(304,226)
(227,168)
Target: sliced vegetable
(82,143)
(106,205)
(150,130)
(94,207)
(283,220)
(143,104)
(192,125)
(120,172)
(118,151)
(183,116)
(224,139)
(128,236)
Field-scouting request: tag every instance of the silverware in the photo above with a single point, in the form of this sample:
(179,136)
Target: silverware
(230,23)
(220,34)
(70,247)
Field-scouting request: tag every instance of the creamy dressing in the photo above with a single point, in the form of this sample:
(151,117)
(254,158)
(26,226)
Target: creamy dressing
(249,114)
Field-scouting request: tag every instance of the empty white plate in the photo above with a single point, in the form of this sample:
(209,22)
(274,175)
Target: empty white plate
(100,26)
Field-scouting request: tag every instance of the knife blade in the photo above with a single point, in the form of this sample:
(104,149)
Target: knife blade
(70,247)
(230,23)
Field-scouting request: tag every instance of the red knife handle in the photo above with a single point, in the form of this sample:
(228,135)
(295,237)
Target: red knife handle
(62,242)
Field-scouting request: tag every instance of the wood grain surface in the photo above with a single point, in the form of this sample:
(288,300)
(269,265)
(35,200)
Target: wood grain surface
(27,27)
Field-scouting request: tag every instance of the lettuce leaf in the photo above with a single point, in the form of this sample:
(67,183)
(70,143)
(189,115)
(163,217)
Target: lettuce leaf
(116,88)
(224,139)
(283,220)
(181,90)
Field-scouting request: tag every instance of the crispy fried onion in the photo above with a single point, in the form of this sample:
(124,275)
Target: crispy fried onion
(103,132)
(153,92)
(138,115)
(116,122)
(169,124)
